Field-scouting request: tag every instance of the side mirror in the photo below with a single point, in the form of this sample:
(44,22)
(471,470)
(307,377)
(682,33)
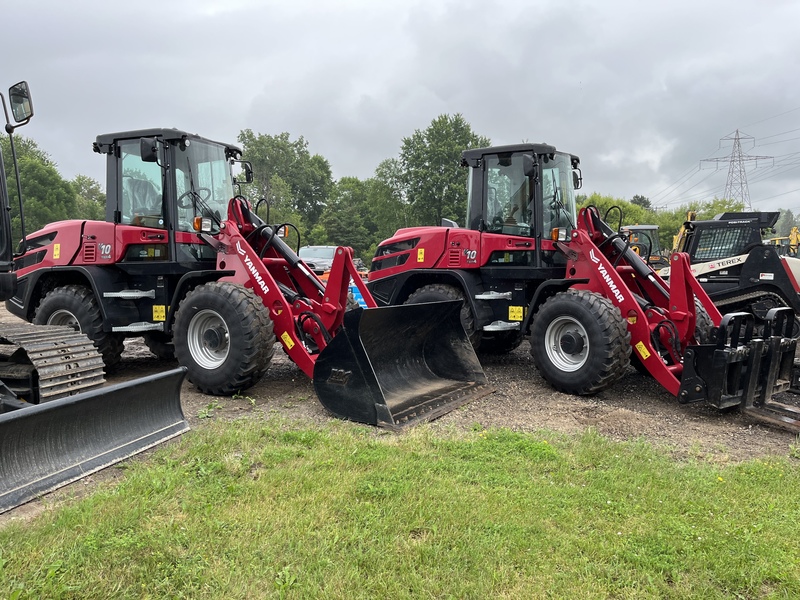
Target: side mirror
(449,223)
(148,148)
(247,169)
(21,106)
(577,179)
(528,165)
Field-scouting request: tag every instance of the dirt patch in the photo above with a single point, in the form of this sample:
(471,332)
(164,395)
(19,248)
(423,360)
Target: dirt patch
(636,408)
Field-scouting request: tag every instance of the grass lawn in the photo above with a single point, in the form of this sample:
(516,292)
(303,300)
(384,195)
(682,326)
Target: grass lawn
(270,509)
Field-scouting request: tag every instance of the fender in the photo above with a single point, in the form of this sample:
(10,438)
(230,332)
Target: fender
(395,289)
(546,289)
(187,282)
(30,284)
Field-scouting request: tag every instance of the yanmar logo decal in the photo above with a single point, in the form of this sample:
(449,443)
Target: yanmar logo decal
(248,262)
(606,277)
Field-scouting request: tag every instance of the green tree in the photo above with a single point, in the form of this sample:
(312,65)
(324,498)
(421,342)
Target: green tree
(617,211)
(642,201)
(46,196)
(387,201)
(785,222)
(434,183)
(308,176)
(277,209)
(90,198)
(347,220)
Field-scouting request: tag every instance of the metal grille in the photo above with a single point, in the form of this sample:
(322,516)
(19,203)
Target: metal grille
(714,244)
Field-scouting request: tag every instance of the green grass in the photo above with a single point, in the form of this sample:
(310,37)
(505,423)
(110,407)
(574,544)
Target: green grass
(263,510)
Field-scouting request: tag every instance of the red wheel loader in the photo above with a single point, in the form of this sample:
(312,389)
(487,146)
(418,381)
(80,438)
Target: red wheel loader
(527,266)
(58,422)
(185,262)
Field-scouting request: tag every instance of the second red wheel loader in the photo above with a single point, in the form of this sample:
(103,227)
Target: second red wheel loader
(527,265)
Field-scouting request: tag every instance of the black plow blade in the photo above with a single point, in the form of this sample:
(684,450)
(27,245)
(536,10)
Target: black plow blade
(398,365)
(48,445)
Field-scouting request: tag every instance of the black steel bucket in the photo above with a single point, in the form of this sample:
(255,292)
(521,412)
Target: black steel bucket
(397,365)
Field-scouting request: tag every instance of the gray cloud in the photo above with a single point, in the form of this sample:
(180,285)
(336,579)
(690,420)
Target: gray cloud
(641,91)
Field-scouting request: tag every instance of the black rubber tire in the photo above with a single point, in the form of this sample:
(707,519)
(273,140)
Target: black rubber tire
(501,342)
(160,344)
(245,340)
(76,306)
(704,326)
(602,342)
(440,292)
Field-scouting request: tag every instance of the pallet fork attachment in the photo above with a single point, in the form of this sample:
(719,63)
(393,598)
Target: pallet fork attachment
(734,368)
(745,371)
(49,445)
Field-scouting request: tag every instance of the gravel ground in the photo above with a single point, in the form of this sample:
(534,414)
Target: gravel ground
(635,408)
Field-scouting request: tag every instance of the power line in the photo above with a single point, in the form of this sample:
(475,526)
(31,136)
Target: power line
(773,116)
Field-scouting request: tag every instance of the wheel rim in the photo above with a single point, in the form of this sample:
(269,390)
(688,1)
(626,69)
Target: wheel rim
(65,318)
(567,344)
(209,339)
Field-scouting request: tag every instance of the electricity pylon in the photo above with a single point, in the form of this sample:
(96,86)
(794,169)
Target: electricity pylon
(736,185)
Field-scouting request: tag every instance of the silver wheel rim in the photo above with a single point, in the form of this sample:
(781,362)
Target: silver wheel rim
(65,318)
(562,359)
(208,356)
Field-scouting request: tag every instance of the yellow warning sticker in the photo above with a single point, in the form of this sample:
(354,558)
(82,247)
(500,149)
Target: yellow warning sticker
(515,313)
(642,350)
(56,251)
(159,312)
(420,254)
(287,340)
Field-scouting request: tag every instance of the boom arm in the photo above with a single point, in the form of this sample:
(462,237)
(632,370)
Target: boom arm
(306,313)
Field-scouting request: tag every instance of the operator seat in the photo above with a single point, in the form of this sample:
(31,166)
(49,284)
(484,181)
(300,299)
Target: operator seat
(144,201)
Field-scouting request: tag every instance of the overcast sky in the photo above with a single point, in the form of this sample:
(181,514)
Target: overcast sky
(642,91)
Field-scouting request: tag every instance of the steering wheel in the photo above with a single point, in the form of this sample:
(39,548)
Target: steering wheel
(184,203)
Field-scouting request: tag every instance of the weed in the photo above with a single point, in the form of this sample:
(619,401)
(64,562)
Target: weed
(208,410)
(794,449)
(251,401)
(284,581)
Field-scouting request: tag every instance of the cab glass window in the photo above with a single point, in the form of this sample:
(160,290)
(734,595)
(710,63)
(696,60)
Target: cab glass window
(508,195)
(142,188)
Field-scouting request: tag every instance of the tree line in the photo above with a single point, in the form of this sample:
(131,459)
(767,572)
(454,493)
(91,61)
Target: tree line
(420,186)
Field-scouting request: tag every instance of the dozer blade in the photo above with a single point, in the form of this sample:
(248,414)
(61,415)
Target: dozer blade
(54,443)
(398,365)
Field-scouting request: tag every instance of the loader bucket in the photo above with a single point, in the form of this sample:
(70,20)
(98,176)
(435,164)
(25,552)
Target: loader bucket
(54,443)
(398,365)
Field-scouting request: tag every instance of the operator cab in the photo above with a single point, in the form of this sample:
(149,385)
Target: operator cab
(522,189)
(165,180)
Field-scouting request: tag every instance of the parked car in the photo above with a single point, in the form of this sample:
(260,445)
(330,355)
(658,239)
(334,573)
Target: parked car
(318,258)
